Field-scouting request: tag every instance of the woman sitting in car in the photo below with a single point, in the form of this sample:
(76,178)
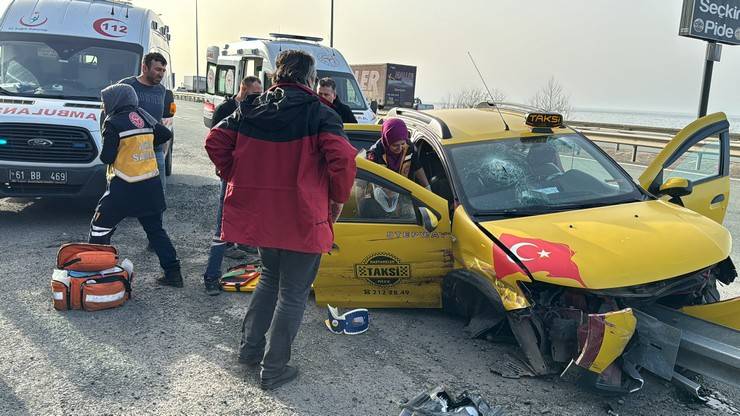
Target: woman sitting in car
(395,151)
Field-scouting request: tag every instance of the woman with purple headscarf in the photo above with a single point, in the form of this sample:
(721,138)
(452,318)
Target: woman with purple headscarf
(395,151)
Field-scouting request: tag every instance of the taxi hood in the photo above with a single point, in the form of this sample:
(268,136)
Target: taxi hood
(610,247)
(85,114)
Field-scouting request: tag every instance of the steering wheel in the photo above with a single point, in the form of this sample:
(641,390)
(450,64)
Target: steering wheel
(550,171)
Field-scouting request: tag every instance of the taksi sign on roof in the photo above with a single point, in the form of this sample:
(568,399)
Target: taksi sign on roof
(711,20)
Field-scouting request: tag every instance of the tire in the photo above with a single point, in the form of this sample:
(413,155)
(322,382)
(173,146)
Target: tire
(168,159)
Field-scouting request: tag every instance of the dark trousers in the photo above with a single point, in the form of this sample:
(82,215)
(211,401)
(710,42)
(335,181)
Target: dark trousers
(104,225)
(277,306)
(218,246)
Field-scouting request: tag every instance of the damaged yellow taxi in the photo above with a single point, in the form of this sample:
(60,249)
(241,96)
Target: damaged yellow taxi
(532,228)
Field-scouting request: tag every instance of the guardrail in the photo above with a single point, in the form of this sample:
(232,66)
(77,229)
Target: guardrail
(639,136)
(189,96)
(618,134)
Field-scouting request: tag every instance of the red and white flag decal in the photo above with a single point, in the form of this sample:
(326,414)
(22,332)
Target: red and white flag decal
(538,256)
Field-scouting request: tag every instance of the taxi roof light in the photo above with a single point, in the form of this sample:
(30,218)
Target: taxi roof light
(544,120)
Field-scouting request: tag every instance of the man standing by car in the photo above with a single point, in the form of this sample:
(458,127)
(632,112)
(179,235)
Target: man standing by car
(289,168)
(151,95)
(249,89)
(328,91)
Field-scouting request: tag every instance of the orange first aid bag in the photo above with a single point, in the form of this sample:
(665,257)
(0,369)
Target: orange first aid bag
(84,257)
(101,285)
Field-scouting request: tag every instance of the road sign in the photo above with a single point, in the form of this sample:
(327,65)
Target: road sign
(711,20)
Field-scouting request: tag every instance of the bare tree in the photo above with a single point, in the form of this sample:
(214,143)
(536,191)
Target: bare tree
(552,97)
(470,97)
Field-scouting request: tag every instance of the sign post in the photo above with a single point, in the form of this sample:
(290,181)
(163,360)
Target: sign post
(717,22)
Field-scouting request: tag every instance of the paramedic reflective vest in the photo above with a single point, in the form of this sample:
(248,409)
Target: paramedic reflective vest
(135,160)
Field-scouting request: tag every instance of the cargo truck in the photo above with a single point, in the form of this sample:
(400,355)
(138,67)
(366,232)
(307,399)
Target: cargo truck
(389,85)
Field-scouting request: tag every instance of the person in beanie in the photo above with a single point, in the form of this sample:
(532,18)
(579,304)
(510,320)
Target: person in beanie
(289,168)
(395,151)
(130,135)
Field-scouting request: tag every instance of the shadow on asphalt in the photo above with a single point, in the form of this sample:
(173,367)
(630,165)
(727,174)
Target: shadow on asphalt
(9,402)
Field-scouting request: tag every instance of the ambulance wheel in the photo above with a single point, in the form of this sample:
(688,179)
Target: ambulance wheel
(168,160)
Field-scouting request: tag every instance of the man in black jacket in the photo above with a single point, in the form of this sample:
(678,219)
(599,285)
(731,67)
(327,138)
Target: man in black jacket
(250,86)
(130,135)
(328,91)
(249,89)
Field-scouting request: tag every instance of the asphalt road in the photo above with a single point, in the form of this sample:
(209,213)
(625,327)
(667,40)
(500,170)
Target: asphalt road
(172,351)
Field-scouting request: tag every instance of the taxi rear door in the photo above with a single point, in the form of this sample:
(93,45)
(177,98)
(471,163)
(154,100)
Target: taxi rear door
(700,153)
(387,255)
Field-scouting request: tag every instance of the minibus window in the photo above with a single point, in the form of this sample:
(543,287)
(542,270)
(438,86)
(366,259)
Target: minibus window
(63,66)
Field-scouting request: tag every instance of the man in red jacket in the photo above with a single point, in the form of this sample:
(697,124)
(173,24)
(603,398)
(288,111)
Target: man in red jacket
(289,168)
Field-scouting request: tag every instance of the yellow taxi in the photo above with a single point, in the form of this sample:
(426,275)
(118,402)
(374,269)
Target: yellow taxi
(530,224)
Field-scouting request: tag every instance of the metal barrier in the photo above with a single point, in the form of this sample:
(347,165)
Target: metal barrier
(618,134)
(639,136)
(189,96)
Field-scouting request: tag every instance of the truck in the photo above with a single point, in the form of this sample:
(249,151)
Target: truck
(55,58)
(389,85)
(256,56)
(194,83)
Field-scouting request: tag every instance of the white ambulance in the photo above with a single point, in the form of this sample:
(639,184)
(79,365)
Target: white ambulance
(55,57)
(256,56)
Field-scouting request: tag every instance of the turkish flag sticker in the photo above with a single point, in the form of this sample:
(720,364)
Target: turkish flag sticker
(538,256)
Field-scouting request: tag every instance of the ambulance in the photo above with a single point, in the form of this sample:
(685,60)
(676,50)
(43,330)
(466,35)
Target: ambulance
(256,56)
(55,57)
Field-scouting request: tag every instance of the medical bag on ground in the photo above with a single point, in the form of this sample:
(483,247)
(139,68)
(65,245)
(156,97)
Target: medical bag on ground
(241,278)
(88,277)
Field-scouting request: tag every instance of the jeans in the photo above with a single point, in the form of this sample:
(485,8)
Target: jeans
(104,225)
(218,246)
(161,165)
(277,306)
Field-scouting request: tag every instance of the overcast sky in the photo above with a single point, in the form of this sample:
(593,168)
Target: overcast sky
(611,54)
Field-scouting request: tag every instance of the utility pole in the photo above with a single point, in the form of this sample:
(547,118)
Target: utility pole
(714,53)
(331,31)
(197,63)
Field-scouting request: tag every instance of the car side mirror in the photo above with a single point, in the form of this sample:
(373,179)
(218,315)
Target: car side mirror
(428,220)
(374,106)
(676,188)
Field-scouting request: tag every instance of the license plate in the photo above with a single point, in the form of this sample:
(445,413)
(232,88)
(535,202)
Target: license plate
(37,176)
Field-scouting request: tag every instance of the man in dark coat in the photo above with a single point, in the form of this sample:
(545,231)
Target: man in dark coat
(328,91)
(250,86)
(130,135)
(249,89)
(289,168)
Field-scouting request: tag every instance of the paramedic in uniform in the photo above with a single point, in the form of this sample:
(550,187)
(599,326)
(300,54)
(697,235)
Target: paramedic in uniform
(289,168)
(130,135)
(151,94)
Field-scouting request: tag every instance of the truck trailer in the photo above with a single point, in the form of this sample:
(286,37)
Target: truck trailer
(389,85)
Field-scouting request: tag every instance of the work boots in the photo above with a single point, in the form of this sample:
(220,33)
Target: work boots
(171,278)
(213,288)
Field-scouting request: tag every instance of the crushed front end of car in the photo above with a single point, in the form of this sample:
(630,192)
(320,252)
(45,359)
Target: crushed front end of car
(602,337)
